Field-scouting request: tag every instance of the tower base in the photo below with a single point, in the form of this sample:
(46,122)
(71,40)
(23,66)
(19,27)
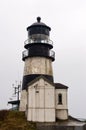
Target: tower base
(23,101)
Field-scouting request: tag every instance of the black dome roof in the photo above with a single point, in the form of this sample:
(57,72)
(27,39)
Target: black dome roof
(39,24)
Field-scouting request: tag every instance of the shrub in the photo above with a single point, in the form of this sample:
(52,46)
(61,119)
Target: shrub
(3,115)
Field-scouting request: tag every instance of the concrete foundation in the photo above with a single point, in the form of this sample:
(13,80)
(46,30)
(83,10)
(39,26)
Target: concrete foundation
(65,125)
(62,128)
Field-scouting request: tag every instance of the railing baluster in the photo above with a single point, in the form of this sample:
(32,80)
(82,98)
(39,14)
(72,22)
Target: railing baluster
(30,41)
(25,54)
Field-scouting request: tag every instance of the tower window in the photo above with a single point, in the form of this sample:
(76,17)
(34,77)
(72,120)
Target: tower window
(59,98)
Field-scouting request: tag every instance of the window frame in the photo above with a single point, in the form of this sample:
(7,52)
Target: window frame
(60,99)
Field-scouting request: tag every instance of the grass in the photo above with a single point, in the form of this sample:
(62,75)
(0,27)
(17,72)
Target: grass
(15,120)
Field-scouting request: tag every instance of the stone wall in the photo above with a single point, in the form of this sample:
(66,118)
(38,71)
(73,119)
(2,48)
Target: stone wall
(38,65)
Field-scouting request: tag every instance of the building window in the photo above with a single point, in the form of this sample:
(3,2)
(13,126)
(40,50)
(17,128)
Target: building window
(59,98)
(37,91)
(36,88)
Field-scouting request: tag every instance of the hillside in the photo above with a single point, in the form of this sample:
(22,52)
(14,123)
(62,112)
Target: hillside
(15,120)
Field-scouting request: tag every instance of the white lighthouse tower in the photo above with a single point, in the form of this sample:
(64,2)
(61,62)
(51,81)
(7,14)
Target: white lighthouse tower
(41,98)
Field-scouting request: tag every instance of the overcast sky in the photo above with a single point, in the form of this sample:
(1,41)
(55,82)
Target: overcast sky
(67,19)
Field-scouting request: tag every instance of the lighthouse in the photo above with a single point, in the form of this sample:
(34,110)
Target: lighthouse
(41,98)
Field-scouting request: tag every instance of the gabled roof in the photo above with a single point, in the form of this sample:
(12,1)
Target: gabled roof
(40,77)
(60,86)
(56,85)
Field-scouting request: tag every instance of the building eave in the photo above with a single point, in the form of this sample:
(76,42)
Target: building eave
(60,86)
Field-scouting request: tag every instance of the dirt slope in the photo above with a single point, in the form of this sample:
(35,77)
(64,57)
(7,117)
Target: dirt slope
(15,120)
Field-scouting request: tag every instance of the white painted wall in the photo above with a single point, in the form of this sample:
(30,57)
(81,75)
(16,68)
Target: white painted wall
(38,65)
(41,102)
(62,114)
(23,101)
(62,109)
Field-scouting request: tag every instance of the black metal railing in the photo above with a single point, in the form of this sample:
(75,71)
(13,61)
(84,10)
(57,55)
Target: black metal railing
(25,54)
(52,54)
(31,41)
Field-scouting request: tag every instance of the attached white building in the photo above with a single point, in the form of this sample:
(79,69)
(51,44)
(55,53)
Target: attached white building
(61,101)
(41,100)
(45,101)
